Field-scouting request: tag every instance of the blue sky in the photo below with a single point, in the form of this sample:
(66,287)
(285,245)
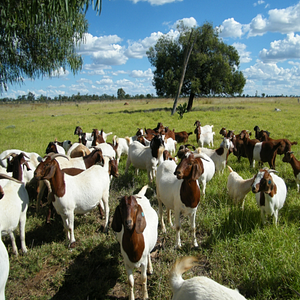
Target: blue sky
(265,33)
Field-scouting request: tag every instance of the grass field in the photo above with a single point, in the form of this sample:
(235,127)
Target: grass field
(263,262)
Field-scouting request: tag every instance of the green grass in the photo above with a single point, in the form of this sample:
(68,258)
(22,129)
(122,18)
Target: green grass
(234,248)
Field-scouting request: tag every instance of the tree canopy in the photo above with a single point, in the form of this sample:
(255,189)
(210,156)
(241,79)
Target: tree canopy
(212,66)
(40,36)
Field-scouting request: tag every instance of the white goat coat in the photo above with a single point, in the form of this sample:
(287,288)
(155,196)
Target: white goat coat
(206,128)
(209,172)
(140,157)
(106,149)
(168,193)
(13,210)
(275,203)
(219,160)
(204,288)
(34,158)
(122,147)
(206,138)
(4,267)
(83,192)
(237,187)
(198,288)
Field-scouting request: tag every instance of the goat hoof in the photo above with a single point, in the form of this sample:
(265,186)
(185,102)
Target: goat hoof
(72,245)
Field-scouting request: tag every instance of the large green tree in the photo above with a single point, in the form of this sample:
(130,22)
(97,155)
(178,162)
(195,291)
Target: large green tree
(212,67)
(39,36)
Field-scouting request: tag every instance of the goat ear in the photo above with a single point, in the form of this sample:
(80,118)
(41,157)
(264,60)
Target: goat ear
(140,224)
(51,173)
(197,171)
(116,224)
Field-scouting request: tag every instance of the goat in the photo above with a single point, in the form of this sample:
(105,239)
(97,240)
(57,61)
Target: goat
(203,137)
(237,140)
(135,223)
(237,187)
(34,158)
(197,288)
(78,150)
(208,166)
(177,187)
(270,193)
(220,155)
(76,194)
(205,128)
(182,136)
(66,144)
(146,158)
(266,152)
(121,145)
(260,133)
(289,157)
(169,133)
(13,210)
(55,148)
(249,145)
(4,267)
(285,146)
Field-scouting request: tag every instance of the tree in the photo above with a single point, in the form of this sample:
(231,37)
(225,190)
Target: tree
(121,94)
(212,67)
(39,36)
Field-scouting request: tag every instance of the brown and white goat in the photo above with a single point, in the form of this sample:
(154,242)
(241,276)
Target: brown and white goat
(135,223)
(178,189)
(289,157)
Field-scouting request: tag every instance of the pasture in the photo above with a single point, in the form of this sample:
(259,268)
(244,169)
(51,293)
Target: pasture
(263,262)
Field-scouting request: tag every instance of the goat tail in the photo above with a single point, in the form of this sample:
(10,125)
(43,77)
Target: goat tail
(181,265)
(229,168)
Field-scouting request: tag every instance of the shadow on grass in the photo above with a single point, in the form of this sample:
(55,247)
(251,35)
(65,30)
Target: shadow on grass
(92,274)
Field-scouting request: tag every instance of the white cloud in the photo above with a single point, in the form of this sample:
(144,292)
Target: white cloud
(104,81)
(138,49)
(259,2)
(271,79)
(231,28)
(142,74)
(285,20)
(244,55)
(60,73)
(103,50)
(156,2)
(281,50)
(188,22)
(84,80)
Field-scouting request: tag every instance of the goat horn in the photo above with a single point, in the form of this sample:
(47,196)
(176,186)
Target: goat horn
(5,176)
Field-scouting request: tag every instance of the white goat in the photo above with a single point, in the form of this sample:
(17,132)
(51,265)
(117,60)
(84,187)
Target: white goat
(206,138)
(170,145)
(34,158)
(170,180)
(237,187)
(200,287)
(135,223)
(76,194)
(141,157)
(122,147)
(270,193)
(107,149)
(4,267)
(219,156)
(13,209)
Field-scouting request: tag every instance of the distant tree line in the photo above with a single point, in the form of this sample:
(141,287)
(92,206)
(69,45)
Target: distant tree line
(31,97)
(121,95)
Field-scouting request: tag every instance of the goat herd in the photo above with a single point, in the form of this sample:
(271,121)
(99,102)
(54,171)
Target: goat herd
(75,178)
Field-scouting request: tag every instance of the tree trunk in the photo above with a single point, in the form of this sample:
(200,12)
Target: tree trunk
(185,63)
(191,100)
